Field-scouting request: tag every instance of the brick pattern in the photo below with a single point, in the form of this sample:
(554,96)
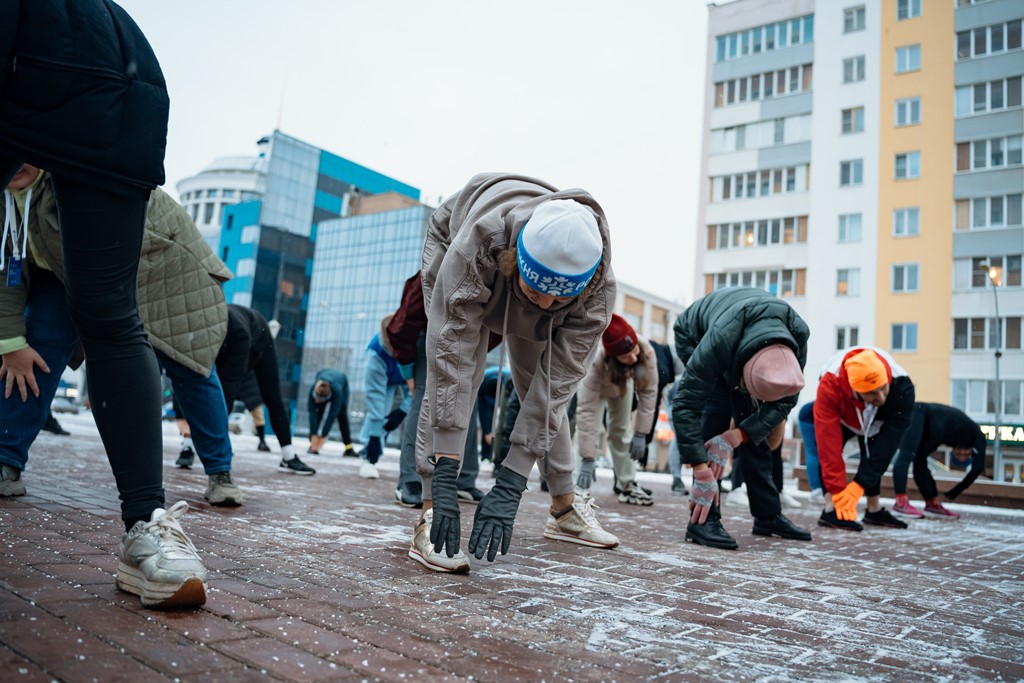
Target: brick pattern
(310,581)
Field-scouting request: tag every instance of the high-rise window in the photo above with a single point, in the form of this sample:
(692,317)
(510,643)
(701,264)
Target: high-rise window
(987,40)
(764,38)
(908,58)
(981,213)
(850,227)
(905,222)
(853,19)
(853,120)
(853,69)
(908,111)
(847,336)
(991,153)
(980,98)
(904,277)
(908,165)
(848,282)
(907,9)
(904,337)
(851,172)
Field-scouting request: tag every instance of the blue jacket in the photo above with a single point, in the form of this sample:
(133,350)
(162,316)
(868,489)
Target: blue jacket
(337,402)
(383,380)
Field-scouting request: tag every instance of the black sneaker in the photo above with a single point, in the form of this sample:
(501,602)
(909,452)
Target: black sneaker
(410,495)
(297,466)
(262,446)
(883,518)
(780,526)
(711,533)
(186,458)
(51,425)
(471,495)
(350,453)
(832,521)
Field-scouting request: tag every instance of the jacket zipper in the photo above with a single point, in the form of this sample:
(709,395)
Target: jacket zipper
(99,72)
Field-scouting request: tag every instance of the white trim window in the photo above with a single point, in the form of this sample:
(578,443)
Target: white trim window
(906,222)
(908,58)
(908,166)
(988,40)
(848,282)
(854,69)
(981,98)
(851,173)
(982,334)
(905,278)
(850,227)
(852,120)
(981,213)
(854,19)
(904,337)
(978,155)
(907,9)
(908,111)
(847,336)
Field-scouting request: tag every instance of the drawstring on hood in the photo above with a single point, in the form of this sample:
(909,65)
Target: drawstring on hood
(10,227)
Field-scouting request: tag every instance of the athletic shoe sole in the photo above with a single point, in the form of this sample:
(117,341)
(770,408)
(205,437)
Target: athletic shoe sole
(405,503)
(225,502)
(461,569)
(184,464)
(191,593)
(555,535)
(12,491)
(633,500)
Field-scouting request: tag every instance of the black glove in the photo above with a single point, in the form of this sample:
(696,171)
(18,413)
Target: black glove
(638,448)
(444,529)
(585,479)
(373,450)
(492,524)
(394,419)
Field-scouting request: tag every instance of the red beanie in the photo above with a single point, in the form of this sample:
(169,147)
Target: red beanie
(619,338)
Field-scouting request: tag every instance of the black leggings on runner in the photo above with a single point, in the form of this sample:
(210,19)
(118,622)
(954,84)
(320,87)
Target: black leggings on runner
(269,382)
(101,236)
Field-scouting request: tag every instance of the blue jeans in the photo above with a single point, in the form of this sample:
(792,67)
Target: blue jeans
(50,330)
(202,405)
(806,421)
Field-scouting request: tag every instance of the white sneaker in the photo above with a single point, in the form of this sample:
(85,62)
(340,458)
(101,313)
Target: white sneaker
(222,490)
(422,550)
(368,471)
(159,563)
(788,501)
(738,497)
(580,526)
(817,497)
(10,481)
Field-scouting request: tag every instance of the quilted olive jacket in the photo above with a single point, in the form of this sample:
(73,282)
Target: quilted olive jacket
(179,286)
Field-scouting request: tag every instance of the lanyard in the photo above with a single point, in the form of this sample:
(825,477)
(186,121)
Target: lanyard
(11,227)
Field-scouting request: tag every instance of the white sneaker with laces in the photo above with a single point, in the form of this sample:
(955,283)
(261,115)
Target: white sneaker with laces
(817,497)
(159,563)
(580,525)
(368,471)
(788,501)
(10,481)
(422,550)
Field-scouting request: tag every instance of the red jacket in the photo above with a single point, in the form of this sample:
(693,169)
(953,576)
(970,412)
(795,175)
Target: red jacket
(836,407)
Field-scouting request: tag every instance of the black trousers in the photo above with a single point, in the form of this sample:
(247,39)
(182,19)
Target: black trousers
(762,478)
(346,432)
(101,238)
(269,381)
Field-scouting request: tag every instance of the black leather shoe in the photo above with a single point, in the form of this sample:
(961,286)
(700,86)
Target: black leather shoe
(410,495)
(51,425)
(711,533)
(832,521)
(883,518)
(780,526)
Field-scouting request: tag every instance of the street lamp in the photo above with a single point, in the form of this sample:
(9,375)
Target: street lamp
(995,274)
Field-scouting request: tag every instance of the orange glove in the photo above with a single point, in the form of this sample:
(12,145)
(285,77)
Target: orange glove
(846,501)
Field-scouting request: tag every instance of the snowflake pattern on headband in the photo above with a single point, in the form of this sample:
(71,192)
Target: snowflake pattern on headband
(559,286)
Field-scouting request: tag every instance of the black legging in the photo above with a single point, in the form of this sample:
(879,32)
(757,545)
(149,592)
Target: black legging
(101,237)
(269,382)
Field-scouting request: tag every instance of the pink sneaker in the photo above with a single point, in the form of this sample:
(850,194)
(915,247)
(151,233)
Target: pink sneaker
(937,509)
(906,508)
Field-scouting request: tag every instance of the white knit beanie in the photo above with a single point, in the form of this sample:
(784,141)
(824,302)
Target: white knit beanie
(559,248)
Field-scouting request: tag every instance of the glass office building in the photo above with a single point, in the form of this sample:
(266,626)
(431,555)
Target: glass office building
(269,241)
(362,262)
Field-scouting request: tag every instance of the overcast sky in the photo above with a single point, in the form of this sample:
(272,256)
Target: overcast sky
(600,94)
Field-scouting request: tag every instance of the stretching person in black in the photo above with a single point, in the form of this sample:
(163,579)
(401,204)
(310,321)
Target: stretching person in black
(933,425)
(249,348)
(91,107)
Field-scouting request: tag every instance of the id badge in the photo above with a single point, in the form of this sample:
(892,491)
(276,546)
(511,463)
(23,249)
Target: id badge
(14,272)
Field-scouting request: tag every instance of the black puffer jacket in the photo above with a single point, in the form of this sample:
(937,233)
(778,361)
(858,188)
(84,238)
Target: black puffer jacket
(715,337)
(81,93)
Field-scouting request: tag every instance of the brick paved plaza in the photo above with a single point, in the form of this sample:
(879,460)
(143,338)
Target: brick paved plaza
(310,582)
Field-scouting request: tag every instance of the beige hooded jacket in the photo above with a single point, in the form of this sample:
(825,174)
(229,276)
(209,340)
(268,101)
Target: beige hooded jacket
(467,297)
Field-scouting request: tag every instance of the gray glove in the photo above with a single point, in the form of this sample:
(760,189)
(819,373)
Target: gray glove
(638,447)
(444,529)
(585,479)
(495,515)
